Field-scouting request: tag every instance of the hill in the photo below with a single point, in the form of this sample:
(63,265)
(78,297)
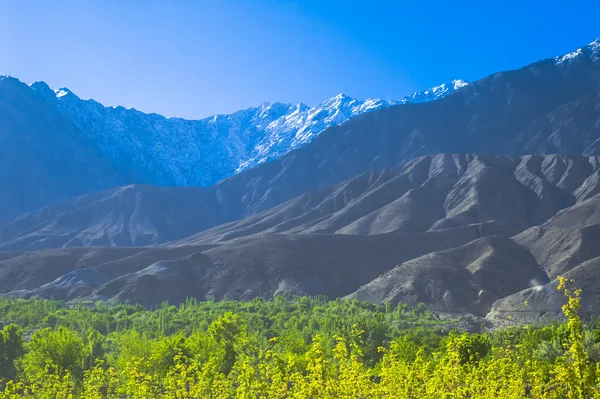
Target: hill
(330,265)
(494,194)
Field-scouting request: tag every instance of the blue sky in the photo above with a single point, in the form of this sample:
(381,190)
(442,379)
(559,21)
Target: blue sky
(196,58)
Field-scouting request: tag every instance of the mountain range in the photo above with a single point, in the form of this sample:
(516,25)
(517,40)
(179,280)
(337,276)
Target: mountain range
(460,233)
(152,149)
(468,198)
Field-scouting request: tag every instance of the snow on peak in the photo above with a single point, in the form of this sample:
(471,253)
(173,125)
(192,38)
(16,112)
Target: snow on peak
(436,92)
(63,91)
(595,47)
(592,51)
(60,93)
(458,83)
(342,96)
(569,56)
(43,90)
(294,130)
(337,100)
(175,151)
(301,107)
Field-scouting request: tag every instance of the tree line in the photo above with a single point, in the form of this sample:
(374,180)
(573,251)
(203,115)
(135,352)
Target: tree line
(286,348)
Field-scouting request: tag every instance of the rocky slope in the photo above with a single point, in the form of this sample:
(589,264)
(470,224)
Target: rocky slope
(331,265)
(450,270)
(464,279)
(438,232)
(501,195)
(485,193)
(133,215)
(543,302)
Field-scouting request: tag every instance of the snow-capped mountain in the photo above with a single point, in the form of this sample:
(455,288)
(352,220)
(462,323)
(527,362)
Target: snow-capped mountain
(56,146)
(304,124)
(591,51)
(175,151)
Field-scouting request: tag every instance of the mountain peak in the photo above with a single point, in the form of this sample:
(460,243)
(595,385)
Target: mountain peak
(7,79)
(40,85)
(592,50)
(342,97)
(63,91)
(594,47)
(242,139)
(435,93)
(337,100)
(43,90)
(458,83)
(275,104)
(302,107)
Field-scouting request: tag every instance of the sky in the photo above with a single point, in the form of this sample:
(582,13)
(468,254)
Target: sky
(195,58)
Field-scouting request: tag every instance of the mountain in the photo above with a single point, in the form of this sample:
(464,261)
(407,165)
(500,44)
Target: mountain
(134,215)
(547,107)
(566,240)
(174,151)
(566,245)
(544,108)
(44,158)
(466,194)
(435,230)
(331,265)
(469,278)
(552,106)
(294,130)
(543,302)
(56,146)
(498,194)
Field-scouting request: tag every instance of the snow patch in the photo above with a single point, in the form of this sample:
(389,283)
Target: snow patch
(569,56)
(592,50)
(61,92)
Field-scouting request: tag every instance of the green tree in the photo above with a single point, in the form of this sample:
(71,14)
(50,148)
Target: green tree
(59,352)
(226,331)
(11,348)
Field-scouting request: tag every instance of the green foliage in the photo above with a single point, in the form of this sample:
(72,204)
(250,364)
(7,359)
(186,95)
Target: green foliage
(59,351)
(471,348)
(550,350)
(286,348)
(11,347)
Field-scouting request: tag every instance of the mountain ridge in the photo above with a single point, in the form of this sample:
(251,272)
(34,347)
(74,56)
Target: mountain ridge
(180,159)
(201,152)
(546,107)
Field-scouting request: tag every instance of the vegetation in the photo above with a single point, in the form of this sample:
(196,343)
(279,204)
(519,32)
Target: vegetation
(301,348)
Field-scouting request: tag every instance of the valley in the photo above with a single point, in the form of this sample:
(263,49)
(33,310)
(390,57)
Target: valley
(447,241)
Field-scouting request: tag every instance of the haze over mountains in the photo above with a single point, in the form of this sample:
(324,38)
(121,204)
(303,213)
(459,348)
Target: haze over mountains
(460,203)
